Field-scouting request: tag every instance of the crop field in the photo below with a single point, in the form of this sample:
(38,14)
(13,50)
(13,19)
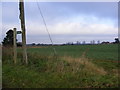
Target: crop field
(74,66)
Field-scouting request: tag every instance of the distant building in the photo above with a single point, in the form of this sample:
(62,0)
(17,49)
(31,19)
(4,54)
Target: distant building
(83,42)
(77,43)
(92,42)
(98,42)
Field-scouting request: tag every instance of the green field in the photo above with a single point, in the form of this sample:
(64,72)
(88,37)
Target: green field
(74,66)
(99,52)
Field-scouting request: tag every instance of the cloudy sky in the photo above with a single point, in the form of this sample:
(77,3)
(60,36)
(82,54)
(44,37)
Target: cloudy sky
(66,21)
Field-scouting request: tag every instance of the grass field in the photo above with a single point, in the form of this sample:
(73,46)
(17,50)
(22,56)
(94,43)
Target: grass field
(75,66)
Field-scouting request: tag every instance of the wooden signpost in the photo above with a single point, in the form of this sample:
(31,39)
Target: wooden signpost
(15,32)
(14,46)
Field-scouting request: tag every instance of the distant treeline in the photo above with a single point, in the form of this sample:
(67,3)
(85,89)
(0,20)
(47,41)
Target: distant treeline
(74,43)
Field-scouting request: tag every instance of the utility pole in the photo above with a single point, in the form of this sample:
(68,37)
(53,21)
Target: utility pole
(14,46)
(22,18)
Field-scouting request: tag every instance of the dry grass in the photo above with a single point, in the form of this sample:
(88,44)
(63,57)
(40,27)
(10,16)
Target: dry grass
(116,72)
(73,65)
(87,65)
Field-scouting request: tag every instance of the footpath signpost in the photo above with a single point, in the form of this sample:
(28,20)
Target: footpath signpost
(14,46)
(15,32)
(19,32)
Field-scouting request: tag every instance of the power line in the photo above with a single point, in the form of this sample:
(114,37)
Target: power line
(46,26)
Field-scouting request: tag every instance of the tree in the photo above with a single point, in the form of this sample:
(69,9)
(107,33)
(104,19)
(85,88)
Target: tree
(8,40)
(33,44)
(117,40)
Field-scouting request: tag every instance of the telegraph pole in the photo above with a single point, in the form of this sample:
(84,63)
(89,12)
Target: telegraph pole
(22,18)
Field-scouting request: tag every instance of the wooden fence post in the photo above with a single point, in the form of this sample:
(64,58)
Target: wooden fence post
(14,46)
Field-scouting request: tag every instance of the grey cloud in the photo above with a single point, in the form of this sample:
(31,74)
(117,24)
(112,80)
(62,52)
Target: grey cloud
(57,11)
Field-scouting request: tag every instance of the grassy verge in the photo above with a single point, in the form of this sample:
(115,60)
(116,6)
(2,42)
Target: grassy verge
(63,71)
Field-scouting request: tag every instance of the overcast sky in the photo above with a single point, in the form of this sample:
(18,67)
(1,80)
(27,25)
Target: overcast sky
(66,21)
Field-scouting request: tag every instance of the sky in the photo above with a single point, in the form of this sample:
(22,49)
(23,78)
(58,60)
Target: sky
(66,21)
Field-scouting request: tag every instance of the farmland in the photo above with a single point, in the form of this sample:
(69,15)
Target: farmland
(74,66)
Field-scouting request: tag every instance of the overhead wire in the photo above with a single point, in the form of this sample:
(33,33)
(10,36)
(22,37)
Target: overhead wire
(46,28)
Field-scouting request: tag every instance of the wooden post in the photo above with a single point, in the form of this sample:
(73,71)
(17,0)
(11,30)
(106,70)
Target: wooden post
(22,18)
(14,46)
